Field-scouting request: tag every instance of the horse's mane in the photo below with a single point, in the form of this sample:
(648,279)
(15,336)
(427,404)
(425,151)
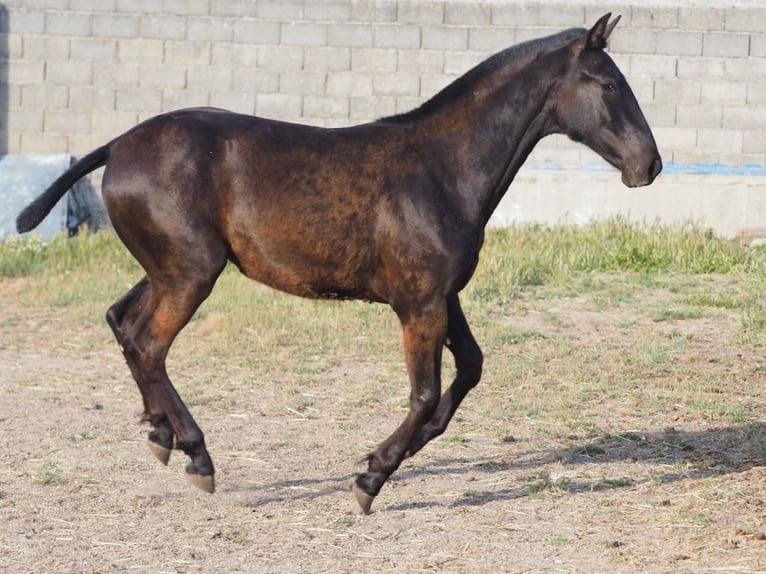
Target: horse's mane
(525,50)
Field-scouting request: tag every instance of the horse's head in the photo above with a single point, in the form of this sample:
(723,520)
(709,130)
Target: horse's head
(597,107)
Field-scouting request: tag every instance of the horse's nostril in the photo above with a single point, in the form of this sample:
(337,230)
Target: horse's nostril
(655,168)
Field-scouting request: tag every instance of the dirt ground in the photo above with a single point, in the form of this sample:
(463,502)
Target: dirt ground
(665,491)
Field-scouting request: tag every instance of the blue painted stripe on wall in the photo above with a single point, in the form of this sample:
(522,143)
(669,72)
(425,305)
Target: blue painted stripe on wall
(690,168)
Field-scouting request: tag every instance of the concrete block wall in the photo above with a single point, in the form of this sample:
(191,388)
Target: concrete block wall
(79,72)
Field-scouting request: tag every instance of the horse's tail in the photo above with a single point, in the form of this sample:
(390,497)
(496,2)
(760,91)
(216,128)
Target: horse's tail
(33,214)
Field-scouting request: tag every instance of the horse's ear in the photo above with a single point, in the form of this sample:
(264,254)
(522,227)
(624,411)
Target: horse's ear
(598,35)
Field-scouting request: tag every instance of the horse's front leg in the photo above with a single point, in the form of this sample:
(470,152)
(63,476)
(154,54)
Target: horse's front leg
(424,336)
(468,363)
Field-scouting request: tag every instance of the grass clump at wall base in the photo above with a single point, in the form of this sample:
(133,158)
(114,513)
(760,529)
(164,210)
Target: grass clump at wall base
(31,256)
(523,256)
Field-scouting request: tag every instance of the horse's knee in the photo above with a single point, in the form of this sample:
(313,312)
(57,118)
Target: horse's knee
(424,404)
(470,368)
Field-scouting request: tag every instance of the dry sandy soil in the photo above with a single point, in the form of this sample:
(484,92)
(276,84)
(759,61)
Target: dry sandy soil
(665,490)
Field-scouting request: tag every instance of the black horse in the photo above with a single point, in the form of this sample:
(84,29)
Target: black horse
(392,211)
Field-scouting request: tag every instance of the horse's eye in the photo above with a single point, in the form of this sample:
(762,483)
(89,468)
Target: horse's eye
(609,87)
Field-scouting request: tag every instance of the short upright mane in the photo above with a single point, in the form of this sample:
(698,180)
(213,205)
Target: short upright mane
(464,83)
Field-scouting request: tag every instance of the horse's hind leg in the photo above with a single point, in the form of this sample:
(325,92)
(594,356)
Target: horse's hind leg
(122,314)
(145,322)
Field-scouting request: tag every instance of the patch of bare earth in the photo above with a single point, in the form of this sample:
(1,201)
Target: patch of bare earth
(659,486)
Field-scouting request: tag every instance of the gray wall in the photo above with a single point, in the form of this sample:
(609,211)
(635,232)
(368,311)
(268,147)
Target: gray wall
(80,72)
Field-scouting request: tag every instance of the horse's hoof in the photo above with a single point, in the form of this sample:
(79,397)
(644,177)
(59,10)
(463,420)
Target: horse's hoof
(162,453)
(205,482)
(363,500)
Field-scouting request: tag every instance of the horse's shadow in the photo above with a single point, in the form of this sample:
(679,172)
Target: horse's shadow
(672,456)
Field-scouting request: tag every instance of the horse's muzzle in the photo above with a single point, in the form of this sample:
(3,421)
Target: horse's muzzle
(643,176)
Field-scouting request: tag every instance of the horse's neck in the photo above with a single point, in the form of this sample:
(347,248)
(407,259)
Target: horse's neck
(492,133)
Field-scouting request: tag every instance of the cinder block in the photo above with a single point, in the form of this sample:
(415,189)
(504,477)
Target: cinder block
(654,67)
(303,33)
(677,91)
(162,76)
(744,69)
(89,98)
(430,85)
(758,45)
(653,16)
(187,7)
(67,24)
(458,63)
(374,60)
(141,6)
(444,38)
(33,143)
(25,121)
(397,36)
(325,107)
(138,100)
(349,84)
(351,35)
(163,26)
(328,59)
(756,93)
(674,138)
(244,55)
(210,29)
(45,48)
(490,40)
(302,82)
(242,103)
(406,104)
(93,49)
(371,108)
(255,81)
(754,141)
(256,32)
(702,18)
(467,14)
(701,68)
(242,9)
(95,5)
(373,11)
(280,9)
(23,72)
(22,22)
(421,12)
(718,91)
(66,122)
(116,25)
(401,84)
(744,118)
(209,77)
(679,43)
(43,96)
(327,10)
(287,107)
(145,51)
(660,115)
(187,53)
(726,45)
(113,122)
(280,57)
(720,140)
(746,19)
(186,98)
(699,116)
(69,73)
(421,61)
(125,75)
